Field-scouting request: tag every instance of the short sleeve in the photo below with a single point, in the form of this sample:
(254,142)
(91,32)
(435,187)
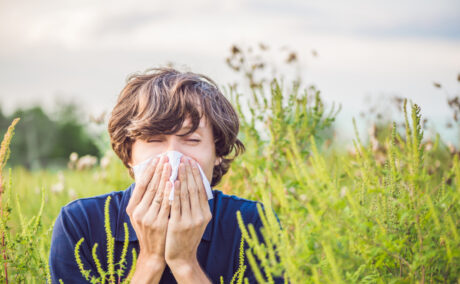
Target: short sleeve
(249,273)
(68,230)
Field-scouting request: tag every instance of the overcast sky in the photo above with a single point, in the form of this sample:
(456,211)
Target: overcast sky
(85,49)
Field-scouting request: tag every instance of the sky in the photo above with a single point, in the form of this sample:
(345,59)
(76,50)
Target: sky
(367,50)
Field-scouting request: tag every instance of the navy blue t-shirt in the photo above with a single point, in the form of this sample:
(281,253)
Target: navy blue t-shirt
(218,251)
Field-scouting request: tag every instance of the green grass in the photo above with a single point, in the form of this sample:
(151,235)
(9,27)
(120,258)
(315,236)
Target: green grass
(388,214)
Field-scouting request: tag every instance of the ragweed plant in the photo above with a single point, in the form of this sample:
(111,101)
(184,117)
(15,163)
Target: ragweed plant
(358,220)
(238,276)
(22,247)
(110,275)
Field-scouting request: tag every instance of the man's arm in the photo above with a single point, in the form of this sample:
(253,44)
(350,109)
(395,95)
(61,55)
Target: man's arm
(148,210)
(190,214)
(148,270)
(189,272)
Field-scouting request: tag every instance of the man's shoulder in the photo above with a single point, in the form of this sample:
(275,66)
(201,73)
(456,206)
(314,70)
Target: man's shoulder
(95,203)
(227,206)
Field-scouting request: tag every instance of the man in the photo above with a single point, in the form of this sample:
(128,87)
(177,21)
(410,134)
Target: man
(187,240)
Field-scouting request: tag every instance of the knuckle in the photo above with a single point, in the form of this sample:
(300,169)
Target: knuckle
(137,215)
(162,223)
(151,189)
(145,222)
(129,210)
(199,221)
(160,167)
(156,179)
(149,222)
(158,199)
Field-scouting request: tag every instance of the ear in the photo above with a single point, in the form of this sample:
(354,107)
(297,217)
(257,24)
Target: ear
(218,161)
(130,164)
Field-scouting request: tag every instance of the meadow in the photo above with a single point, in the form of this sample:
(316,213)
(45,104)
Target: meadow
(386,211)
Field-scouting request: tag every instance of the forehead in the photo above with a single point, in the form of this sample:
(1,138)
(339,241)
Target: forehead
(188,124)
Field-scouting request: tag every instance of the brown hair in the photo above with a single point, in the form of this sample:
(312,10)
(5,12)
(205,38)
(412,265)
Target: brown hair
(159,100)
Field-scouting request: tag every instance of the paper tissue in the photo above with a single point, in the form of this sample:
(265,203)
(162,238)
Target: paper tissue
(174,160)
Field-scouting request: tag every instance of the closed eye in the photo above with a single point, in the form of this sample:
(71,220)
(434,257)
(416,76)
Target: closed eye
(191,140)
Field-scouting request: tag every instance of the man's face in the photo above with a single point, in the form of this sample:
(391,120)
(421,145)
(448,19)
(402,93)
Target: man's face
(198,145)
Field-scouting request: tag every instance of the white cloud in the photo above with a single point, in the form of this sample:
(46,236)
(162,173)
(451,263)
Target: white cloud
(86,48)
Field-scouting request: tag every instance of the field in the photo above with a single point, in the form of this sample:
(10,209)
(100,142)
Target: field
(386,211)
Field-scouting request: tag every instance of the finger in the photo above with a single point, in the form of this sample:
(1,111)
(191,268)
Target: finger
(142,184)
(165,206)
(202,196)
(184,194)
(175,207)
(192,189)
(158,199)
(154,184)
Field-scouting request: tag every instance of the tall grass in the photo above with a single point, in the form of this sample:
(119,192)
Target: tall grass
(386,214)
(379,215)
(20,251)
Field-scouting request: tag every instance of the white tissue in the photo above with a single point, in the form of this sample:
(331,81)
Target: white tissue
(174,160)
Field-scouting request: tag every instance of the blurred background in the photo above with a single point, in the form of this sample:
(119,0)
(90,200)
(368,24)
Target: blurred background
(63,63)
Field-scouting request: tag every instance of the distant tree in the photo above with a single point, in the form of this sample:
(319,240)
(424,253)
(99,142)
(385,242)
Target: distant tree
(43,140)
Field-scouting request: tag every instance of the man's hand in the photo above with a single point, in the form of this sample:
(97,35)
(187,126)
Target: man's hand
(148,210)
(190,215)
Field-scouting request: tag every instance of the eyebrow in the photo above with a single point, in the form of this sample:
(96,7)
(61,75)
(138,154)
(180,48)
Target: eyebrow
(190,126)
(185,129)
